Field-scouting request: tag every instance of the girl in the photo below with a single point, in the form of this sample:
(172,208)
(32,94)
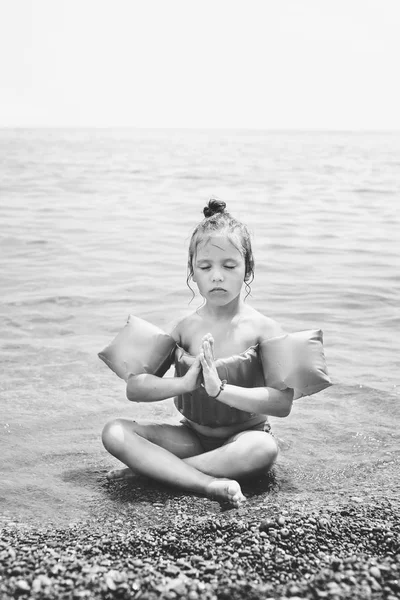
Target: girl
(219,385)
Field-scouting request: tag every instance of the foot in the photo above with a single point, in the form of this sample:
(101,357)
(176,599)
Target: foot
(120,474)
(226,490)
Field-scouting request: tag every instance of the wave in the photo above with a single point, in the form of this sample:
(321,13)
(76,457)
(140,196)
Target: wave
(381,191)
(69,301)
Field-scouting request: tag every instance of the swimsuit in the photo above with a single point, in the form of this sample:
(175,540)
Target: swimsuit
(209,443)
(244,370)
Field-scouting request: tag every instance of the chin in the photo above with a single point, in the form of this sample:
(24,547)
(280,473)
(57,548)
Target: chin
(220,300)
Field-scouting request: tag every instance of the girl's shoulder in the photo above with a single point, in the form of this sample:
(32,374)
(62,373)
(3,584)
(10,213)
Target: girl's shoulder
(267,327)
(180,324)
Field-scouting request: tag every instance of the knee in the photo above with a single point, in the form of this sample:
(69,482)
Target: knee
(264,451)
(113,436)
(270,450)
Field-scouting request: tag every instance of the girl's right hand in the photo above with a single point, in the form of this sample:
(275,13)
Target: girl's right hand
(192,379)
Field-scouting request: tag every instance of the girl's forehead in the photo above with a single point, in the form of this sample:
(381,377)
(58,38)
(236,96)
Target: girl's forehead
(217,245)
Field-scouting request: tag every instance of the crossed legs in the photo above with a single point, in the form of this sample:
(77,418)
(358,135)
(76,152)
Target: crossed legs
(173,455)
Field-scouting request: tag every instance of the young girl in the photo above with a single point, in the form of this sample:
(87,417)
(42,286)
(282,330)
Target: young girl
(220,383)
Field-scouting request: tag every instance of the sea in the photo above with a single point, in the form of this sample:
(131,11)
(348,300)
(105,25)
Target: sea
(95,225)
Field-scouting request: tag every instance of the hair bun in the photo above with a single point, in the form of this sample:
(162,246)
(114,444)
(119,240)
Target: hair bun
(214,206)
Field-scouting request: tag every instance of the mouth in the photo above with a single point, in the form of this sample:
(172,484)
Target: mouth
(217,289)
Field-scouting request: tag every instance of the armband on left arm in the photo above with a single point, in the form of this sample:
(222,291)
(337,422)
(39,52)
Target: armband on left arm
(140,347)
(296,361)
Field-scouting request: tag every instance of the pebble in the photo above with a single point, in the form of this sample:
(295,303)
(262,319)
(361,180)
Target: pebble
(266,525)
(110,583)
(285,532)
(23,585)
(375,585)
(375,572)
(294,591)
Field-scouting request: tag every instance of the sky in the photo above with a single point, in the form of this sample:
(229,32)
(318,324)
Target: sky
(257,64)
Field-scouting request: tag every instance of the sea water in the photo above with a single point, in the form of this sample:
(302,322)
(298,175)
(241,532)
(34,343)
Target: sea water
(95,225)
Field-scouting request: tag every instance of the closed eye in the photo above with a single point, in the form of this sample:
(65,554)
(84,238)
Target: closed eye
(206,268)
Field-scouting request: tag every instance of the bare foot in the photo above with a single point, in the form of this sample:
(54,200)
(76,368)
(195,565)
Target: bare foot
(120,474)
(226,490)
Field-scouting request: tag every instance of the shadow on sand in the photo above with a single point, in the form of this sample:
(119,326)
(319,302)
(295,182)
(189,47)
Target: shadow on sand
(148,500)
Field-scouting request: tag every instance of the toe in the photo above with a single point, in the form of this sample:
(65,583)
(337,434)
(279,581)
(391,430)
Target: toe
(120,474)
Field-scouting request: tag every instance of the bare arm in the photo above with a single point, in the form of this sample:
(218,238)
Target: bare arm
(260,400)
(150,388)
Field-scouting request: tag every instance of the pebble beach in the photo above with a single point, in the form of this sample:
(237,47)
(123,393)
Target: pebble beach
(259,552)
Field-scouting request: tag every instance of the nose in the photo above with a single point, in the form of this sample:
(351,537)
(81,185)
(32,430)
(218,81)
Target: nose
(217,275)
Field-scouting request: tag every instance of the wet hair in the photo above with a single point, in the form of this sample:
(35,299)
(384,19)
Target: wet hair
(217,219)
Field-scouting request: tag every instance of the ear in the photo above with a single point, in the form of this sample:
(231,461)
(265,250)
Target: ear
(194,278)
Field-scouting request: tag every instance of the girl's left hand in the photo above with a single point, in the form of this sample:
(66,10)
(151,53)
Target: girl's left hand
(212,381)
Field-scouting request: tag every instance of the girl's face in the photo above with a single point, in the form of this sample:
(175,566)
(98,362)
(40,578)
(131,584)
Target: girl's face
(218,269)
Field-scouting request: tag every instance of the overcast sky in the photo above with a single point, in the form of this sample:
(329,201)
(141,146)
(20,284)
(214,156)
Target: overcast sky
(275,64)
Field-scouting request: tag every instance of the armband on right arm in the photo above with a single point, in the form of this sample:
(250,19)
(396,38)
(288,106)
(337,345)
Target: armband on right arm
(296,361)
(140,347)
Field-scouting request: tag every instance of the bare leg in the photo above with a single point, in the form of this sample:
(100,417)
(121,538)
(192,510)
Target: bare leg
(243,454)
(157,451)
(175,438)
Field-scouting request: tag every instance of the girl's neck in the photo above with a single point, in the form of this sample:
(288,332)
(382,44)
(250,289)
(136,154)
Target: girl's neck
(226,312)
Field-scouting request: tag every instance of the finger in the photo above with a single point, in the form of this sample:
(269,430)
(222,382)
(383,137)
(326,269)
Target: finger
(204,339)
(212,347)
(203,348)
(206,367)
(208,353)
(203,361)
(208,346)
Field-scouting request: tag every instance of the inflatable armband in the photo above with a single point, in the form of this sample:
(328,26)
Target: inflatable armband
(139,347)
(297,361)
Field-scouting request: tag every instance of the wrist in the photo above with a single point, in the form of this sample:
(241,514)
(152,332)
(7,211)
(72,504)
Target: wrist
(219,390)
(185,385)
